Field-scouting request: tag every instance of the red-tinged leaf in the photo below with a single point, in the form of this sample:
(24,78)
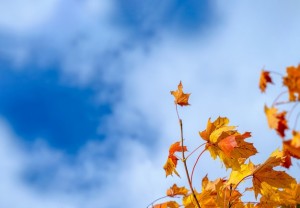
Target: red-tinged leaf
(176,147)
(264,80)
(276,120)
(287,162)
(228,144)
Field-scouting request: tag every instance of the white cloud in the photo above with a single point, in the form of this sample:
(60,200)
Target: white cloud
(220,67)
(20,16)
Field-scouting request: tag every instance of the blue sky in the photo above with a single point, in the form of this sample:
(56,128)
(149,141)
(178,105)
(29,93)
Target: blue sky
(85,108)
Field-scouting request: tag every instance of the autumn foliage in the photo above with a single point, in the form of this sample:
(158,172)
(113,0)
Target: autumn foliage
(271,185)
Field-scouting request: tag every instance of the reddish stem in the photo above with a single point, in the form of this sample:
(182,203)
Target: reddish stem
(195,150)
(196,164)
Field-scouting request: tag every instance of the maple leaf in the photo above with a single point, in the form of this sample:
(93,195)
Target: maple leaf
(226,143)
(264,80)
(263,173)
(273,196)
(175,190)
(276,120)
(169,204)
(292,81)
(217,194)
(181,98)
(170,165)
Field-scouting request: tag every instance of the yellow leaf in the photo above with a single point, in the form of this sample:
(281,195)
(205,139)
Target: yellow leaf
(296,139)
(275,196)
(237,176)
(170,168)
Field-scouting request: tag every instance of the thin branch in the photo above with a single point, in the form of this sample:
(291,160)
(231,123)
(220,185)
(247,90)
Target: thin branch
(184,160)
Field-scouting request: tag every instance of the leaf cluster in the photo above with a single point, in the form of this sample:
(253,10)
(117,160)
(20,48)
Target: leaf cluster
(270,186)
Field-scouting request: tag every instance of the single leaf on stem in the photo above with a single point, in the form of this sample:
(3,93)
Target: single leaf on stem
(171,164)
(276,120)
(264,80)
(263,173)
(181,98)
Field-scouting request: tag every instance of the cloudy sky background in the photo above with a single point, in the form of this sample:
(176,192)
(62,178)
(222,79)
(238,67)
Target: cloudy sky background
(86,115)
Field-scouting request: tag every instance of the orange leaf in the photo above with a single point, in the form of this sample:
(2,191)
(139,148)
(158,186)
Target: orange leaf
(264,80)
(169,204)
(175,190)
(265,173)
(172,159)
(291,150)
(181,98)
(292,81)
(176,147)
(228,144)
(276,120)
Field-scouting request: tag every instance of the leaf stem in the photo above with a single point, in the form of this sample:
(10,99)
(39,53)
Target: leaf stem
(195,150)
(163,197)
(196,164)
(277,98)
(292,109)
(277,73)
(184,159)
